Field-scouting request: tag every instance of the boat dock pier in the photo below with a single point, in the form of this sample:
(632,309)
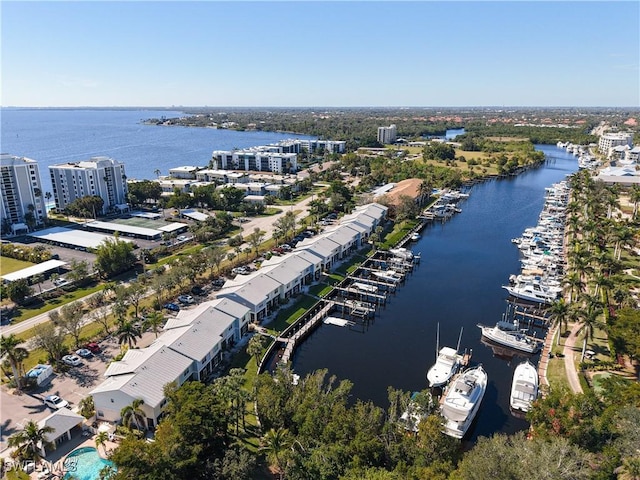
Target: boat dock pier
(362,295)
(303,331)
(381,286)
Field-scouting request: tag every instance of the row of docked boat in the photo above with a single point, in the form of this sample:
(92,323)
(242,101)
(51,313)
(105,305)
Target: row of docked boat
(542,251)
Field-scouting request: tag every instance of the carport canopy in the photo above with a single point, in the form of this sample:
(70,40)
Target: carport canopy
(28,272)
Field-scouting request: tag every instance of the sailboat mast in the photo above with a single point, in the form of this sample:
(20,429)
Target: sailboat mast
(459,339)
(437,340)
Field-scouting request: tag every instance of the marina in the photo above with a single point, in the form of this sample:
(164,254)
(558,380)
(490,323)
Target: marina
(464,262)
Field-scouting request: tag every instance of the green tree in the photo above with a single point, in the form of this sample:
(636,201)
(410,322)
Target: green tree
(49,338)
(255,347)
(10,346)
(114,256)
(19,290)
(276,443)
(128,334)
(154,321)
(255,238)
(101,440)
(71,321)
(133,415)
(28,442)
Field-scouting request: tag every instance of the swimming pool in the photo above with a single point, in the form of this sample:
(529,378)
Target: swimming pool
(85,464)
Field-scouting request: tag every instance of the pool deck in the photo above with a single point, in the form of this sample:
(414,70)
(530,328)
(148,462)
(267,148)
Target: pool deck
(57,456)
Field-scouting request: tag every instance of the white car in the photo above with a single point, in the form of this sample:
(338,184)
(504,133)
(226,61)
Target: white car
(84,353)
(185,299)
(55,402)
(72,360)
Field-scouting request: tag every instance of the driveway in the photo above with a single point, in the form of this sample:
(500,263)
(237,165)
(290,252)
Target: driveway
(73,385)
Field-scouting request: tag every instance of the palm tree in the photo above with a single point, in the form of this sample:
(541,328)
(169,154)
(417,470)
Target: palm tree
(134,415)
(630,469)
(275,443)
(255,347)
(101,441)
(30,441)
(153,321)
(157,172)
(128,333)
(634,196)
(558,312)
(9,346)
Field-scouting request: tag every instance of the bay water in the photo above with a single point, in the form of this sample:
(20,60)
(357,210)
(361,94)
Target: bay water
(52,136)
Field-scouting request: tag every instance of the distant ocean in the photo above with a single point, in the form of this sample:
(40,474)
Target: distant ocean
(53,136)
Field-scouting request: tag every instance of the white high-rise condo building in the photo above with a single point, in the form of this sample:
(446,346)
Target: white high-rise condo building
(387,134)
(22,196)
(100,176)
(611,140)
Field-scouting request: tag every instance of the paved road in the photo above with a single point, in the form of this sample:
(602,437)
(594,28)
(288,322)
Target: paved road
(263,223)
(570,352)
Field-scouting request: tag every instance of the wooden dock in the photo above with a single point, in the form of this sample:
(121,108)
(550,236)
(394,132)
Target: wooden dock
(303,332)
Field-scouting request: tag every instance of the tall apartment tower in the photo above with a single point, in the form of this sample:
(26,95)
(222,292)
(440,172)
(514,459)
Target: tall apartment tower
(100,176)
(22,196)
(387,134)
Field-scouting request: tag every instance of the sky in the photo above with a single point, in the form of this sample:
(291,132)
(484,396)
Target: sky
(309,53)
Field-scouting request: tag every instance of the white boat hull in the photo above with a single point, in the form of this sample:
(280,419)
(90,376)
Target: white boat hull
(524,387)
(515,340)
(462,401)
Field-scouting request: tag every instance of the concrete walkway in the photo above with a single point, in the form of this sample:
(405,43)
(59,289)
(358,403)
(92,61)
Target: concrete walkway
(570,352)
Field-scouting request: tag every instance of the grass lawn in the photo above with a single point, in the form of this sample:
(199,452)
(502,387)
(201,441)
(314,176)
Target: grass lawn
(26,312)
(10,265)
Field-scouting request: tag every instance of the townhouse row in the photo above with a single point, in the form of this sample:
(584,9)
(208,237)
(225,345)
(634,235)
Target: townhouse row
(194,342)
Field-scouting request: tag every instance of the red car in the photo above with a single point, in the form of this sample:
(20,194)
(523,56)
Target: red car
(93,347)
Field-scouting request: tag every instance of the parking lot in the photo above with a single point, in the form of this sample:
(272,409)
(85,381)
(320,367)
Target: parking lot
(72,384)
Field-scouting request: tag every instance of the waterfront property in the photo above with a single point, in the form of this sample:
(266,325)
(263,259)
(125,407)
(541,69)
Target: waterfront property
(100,176)
(194,341)
(22,206)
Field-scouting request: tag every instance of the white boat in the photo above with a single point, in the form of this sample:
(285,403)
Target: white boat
(447,364)
(462,401)
(509,338)
(533,292)
(524,387)
(415,236)
(402,253)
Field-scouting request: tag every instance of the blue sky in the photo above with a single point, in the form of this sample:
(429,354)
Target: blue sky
(337,53)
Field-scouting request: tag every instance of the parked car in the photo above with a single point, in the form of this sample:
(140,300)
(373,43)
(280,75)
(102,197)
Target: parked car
(171,306)
(198,290)
(59,282)
(286,247)
(183,238)
(84,353)
(72,360)
(93,347)
(186,299)
(55,402)
(240,270)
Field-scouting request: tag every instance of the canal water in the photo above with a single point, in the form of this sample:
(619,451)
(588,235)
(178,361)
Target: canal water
(457,285)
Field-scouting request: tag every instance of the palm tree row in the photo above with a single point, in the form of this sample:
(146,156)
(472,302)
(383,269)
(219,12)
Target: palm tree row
(596,237)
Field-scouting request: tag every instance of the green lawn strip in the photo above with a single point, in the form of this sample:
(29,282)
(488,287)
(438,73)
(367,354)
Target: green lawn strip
(26,312)
(10,265)
(398,232)
(287,316)
(320,289)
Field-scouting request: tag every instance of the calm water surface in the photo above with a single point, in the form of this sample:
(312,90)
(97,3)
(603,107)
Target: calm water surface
(53,136)
(458,285)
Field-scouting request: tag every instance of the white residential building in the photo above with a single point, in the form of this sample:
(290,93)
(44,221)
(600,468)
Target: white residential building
(141,374)
(387,135)
(611,140)
(186,172)
(22,195)
(100,176)
(255,160)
